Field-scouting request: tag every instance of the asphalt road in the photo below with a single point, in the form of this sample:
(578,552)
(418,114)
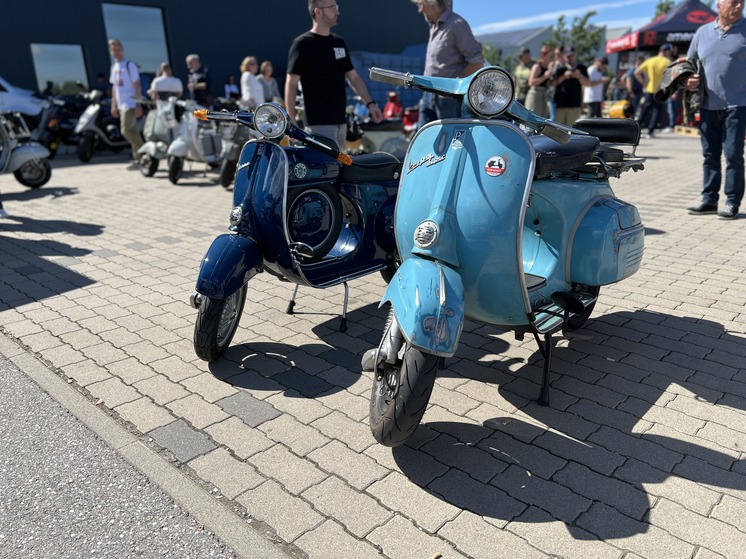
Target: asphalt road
(65,493)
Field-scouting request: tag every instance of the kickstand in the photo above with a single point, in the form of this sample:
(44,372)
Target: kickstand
(343,322)
(546,351)
(291,303)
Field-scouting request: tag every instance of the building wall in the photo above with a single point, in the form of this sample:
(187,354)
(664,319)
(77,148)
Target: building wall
(221,33)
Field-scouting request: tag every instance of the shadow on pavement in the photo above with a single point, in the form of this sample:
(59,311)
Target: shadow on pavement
(587,458)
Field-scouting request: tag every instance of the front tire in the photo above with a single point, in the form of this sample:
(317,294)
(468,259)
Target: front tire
(217,322)
(148,165)
(85,148)
(175,169)
(227,172)
(399,399)
(34,173)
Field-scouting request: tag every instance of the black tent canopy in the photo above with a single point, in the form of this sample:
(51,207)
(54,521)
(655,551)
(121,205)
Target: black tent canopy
(675,26)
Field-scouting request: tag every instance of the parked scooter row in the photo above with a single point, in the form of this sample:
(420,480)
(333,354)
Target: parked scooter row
(492,223)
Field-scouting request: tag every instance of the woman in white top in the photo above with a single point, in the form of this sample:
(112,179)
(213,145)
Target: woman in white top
(252,92)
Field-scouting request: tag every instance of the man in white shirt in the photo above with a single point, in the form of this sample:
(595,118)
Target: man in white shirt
(166,84)
(593,94)
(125,90)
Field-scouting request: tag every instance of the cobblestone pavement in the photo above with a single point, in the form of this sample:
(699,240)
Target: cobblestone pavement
(641,453)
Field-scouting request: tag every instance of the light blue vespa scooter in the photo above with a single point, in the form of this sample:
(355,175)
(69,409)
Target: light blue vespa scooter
(497,226)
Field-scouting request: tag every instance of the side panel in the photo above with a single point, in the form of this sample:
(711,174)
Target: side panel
(178,148)
(428,299)
(230,262)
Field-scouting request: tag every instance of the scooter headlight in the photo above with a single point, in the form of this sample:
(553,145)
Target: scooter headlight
(270,120)
(236,216)
(491,92)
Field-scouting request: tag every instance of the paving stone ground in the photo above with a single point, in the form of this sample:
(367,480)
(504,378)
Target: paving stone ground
(640,455)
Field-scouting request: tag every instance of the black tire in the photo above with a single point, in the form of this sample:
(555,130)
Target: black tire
(175,169)
(217,322)
(578,320)
(85,148)
(34,173)
(148,165)
(227,172)
(399,400)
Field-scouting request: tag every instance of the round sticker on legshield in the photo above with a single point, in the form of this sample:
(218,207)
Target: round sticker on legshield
(495,166)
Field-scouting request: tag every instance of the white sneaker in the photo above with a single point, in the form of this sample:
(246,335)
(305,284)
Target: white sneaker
(3,213)
(667,130)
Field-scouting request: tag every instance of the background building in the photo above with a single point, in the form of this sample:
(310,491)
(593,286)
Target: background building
(61,42)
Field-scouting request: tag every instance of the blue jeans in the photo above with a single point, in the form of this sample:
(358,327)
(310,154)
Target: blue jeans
(723,132)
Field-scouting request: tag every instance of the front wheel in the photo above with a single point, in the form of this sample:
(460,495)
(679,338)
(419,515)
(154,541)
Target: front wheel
(399,398)
(217,322)
(227,172)
(175,169)
(148,165)
(34,173)
(85,148)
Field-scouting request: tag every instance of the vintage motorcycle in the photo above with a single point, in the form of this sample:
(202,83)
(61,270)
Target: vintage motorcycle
(26,159)
(158,132)
(497,226)
(306,214)
(97,128)
(196,140)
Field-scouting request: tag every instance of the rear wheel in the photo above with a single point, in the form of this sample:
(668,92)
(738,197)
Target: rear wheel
(148,165)
(217,322)
(578,320)
(398,399)
(175,169)
(34,173)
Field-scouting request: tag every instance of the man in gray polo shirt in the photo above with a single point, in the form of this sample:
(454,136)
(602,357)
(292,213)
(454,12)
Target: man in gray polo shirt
(721,48)
(452,52)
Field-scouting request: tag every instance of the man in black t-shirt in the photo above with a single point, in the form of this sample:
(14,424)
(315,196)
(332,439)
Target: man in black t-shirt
(320,61)
(569,78)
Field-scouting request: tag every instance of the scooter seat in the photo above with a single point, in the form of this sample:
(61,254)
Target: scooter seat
(371,167)
(552,156)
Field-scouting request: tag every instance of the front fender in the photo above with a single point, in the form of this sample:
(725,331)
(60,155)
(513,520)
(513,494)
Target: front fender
(428,301)
(178,148)
(230,262)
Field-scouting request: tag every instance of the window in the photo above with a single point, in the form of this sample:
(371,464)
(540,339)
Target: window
(140,31)
(59,67)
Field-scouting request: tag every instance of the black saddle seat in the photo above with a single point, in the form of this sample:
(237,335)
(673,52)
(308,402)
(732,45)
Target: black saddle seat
(611,130)
(371,167)
(553,156)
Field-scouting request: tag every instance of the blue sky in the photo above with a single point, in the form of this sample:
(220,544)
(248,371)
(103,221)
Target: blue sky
(494,16)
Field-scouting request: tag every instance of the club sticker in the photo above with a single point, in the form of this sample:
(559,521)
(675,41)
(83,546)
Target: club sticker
(300,170)
(495,166)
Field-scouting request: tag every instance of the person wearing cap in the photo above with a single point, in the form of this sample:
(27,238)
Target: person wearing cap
(593,95)
(720,47)
(649,73)
(166,84)
(521,73)
(569,79)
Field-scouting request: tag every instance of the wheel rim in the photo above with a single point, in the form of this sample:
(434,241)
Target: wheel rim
(228,318)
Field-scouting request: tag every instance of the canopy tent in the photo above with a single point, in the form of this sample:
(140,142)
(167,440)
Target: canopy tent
(676,26)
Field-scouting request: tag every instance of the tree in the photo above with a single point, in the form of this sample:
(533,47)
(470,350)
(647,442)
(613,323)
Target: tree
(494,56)
(663,7)
(585,38)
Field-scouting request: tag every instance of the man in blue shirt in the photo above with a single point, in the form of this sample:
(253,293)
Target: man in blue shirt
(720,46)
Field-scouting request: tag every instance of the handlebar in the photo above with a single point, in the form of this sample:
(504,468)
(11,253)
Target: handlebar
(272,132)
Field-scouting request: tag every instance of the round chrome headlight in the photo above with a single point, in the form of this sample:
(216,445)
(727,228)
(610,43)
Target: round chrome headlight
(270,120)
(491,92)
(236,216)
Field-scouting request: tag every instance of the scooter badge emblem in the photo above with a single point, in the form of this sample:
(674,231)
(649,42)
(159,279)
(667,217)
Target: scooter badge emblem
(300,170)
(495,166)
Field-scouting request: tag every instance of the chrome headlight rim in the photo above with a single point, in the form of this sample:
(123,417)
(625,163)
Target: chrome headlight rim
(236,216)
(490,107)
(270,120)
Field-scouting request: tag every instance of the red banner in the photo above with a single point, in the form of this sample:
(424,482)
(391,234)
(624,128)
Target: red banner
(627,42)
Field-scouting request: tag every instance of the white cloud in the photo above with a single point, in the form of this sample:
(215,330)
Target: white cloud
(550,18)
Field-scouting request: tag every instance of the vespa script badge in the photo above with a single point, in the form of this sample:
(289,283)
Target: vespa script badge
(495,166)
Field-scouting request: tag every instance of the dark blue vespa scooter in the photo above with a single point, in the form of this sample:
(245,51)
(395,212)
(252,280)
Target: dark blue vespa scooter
(497,226)
(309,215)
